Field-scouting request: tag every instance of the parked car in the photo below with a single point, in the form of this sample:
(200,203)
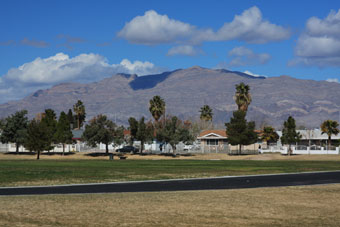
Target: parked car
(187,147)
(128,149)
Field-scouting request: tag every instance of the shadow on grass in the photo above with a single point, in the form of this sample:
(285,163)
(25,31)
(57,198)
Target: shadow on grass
(44,153)
(20,153)
(176,155)
(98,154)
(58,153)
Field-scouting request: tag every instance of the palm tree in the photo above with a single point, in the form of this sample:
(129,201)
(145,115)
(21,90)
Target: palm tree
(329,127)
(242,96)
(79,109)
(206,113)
(157,107)
(269,134)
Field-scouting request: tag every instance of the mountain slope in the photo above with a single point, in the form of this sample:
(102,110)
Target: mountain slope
(185,91)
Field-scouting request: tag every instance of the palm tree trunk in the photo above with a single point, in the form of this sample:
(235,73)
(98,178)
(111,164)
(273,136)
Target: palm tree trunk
(329,142)
(78,118)
(141,146)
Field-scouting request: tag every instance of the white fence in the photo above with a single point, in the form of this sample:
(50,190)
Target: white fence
(58,148)
(299,150)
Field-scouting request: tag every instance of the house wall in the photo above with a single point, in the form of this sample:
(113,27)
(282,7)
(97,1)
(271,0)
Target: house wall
(221,147)
(250,147)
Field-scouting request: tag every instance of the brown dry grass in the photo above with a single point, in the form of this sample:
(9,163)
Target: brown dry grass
(83,155)
(285,206)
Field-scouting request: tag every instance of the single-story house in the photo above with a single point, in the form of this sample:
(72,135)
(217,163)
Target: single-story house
(313,137)
(215,141)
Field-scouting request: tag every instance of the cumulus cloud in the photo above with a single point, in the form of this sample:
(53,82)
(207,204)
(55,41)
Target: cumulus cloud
(137,67)
(242,56)
(335,80)
(187,50)
(253,74)
(153,28)
(45,72)
(252,28)
(319,44)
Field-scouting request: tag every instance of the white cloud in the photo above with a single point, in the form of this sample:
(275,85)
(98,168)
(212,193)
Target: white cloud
(45,72)
(319,44)
(242,56)
(153,28)
(184,50)
(335,80)
(253,74)
(137,67)
(250,27)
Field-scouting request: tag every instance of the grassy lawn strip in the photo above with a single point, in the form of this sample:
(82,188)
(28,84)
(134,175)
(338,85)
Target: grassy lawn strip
(283,206)
(49,172)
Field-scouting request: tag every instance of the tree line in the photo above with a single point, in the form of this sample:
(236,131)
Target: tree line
(40,134)
(240,132)
(44,131)
(164,128)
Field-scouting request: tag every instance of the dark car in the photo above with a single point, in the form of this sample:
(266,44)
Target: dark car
(128,149)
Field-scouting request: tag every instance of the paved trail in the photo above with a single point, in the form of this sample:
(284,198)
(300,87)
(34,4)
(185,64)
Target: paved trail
(274,180)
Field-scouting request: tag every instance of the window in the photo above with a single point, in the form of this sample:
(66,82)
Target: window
(212,142)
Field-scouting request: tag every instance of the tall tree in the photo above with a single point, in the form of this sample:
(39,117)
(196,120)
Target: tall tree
(133,129)
(206,117)
(289,133)
(2,124)
(144,133)
(102,130)
(157,107)
(173,131)
(242,96)
(239,131)
(79,110)
(269,135)
(37,137)
(70,118)
(63,133)
(15,129)
(50,121)
(330,127)
(206,113)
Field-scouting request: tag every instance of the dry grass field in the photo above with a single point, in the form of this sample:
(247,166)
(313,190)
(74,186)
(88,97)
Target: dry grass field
(284,206)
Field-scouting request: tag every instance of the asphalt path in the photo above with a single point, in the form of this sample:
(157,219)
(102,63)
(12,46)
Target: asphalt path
(254,181)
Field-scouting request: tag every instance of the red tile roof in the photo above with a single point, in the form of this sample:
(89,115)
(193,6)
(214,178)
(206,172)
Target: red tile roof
(126,132)
(216,131)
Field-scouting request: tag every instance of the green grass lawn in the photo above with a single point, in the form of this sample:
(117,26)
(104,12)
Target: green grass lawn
(47,172)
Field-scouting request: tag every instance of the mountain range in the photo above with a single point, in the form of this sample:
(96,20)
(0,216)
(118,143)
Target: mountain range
(185,91)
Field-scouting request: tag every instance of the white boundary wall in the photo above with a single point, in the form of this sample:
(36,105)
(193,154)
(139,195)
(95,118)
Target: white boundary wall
(284,150)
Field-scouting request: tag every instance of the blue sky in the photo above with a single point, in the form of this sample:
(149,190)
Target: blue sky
(44,43)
